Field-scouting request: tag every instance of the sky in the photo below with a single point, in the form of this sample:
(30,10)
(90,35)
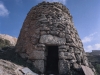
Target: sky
(86,18)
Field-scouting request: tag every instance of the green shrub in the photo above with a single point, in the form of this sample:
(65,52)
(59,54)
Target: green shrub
(4,43)
(97,67)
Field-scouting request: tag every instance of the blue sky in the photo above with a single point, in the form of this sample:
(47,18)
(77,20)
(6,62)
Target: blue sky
(86,18)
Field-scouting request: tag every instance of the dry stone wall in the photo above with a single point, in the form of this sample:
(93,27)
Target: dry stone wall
(51,24)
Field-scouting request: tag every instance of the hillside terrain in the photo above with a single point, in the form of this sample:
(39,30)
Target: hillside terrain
(7,38)
(10,61)
(95,60)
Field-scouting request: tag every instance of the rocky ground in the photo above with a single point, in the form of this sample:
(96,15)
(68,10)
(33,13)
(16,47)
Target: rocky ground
(8,68)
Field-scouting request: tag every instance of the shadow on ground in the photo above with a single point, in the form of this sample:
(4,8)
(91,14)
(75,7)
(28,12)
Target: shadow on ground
(9,54)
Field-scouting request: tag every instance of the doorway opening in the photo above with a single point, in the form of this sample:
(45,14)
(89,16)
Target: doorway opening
(52,60)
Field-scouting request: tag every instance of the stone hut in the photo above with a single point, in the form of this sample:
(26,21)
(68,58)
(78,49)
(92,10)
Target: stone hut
(50,41)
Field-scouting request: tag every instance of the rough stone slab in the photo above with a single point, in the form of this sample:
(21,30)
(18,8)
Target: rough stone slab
(76,66)
(62,50)
(68,58)
(27,71)
(61,55)
(37,55)
(43,32)
(73,61)
(54,32)
(77,51)
(52,40)
(87,70)
(63,67)
(71,49)
(72,44)
(63,47)
(39,64)
(67,54)
(62,35)
(40,45)
(45,28)
(40,49)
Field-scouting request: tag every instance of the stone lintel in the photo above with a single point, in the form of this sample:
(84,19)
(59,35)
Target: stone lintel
(52,40)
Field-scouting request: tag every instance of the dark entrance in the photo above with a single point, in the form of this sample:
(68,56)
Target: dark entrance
(52,60)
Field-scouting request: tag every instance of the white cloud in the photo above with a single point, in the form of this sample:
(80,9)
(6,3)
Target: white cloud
(88,38)
(3,10)
(89,48)
(97,46)
(62,1)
